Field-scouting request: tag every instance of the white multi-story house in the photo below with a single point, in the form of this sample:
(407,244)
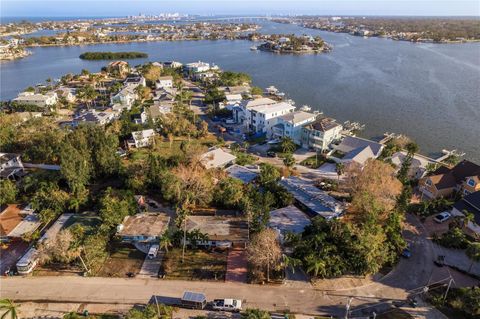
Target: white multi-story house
(134,81)
(197,67)
(143,138)
(291,125)
(262,118)
(240,111)
(164,82)
(124,98)
(41,100)
(321,133)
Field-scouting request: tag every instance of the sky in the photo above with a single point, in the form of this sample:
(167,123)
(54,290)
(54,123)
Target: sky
(119,8)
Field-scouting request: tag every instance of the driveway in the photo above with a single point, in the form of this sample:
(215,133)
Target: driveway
(236,266)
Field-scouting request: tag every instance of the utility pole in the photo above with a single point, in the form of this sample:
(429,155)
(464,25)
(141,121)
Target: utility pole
(347,307)
(158,308)
(448,288)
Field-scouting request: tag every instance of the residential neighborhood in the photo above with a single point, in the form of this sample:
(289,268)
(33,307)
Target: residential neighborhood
(183,176)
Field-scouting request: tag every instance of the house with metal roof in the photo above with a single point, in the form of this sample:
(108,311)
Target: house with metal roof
(316,201)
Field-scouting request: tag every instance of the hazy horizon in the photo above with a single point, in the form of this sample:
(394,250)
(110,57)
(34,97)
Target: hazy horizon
(121,8)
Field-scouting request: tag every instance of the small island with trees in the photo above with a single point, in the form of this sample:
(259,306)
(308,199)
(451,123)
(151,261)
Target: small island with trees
(279,43)
(112,55)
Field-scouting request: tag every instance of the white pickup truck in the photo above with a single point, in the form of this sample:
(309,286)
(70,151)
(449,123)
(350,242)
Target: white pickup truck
(234,305)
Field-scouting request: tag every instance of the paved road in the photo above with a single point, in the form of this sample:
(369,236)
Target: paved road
(131,291)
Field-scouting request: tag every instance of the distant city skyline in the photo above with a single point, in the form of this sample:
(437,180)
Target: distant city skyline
(108,8)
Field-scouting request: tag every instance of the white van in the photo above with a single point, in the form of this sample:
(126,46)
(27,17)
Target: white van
(152,252)
(27,263)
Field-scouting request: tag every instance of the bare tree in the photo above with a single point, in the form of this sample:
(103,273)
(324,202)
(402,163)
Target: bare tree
(264,251)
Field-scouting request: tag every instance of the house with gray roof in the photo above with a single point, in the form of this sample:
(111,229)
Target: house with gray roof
(320,134)
(291,125)
(356,150)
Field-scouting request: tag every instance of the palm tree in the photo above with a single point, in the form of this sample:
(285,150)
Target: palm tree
(8,307)
(316,266)
(287,145)
(165,242)
(290,262)
(288,160)
(340,168)
(87,94)
(473,252)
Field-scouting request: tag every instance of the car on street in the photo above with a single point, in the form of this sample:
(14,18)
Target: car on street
(271,154)
(442,217)
(234,305)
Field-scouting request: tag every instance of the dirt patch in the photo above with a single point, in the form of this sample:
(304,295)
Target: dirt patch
(198,265)
(124,259)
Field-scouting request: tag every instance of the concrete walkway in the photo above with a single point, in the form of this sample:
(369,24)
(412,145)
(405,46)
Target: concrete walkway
(151,267)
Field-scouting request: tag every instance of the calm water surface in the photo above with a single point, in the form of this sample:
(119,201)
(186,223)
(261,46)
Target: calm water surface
(430,92)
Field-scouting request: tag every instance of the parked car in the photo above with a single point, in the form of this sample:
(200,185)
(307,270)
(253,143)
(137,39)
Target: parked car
(271,154)
(440,262)
(442,217)
(153,251)
(234,305)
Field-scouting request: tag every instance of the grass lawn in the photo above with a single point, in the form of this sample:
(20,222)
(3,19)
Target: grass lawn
(163,148)
(198,265)
(123,259)
(88,220)
(313,161)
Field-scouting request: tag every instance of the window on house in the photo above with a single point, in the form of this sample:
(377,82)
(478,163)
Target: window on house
(466,192)
(428,182)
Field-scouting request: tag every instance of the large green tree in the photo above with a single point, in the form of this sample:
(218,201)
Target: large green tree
(8,192)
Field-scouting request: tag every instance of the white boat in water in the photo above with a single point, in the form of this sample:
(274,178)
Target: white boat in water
(253,48)
(305,108)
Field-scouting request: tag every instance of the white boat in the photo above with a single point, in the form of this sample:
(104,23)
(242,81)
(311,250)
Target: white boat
(253,48)
(305,108)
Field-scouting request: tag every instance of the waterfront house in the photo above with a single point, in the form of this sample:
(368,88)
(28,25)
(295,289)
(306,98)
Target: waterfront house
(66,93)
(221,231)
(11,166)
(463,177)
(41,100)
(196,67)
(146,228)
(142,138)
(94,117)
(217,158)
(262,118)
(356,150)
(418,165)
(240,112)
(172,64)
(164,82)
(321,133)
(315,201)
(291,125)
(469,204)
